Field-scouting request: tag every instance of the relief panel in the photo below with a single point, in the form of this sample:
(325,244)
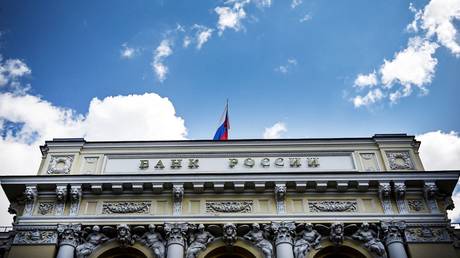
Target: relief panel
(126,207)
(333,206)
(89,165)
(369,162)
(229,206)
(416,205)
(400,160)
(60,165)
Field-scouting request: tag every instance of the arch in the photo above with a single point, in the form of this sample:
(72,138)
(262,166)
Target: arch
(240,249)
(348,249)
(113,249)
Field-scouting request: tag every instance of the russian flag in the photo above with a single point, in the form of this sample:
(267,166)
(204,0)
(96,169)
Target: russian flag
(222,131)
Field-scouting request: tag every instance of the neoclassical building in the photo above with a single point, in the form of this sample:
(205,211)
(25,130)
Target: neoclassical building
(290,198)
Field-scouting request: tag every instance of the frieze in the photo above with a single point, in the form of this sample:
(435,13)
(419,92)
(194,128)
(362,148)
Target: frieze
(244,206)
(399,160)
(126,207)
(45,208)
(34,237)
(333,206)
(416,205)
(60,165)
(427,234)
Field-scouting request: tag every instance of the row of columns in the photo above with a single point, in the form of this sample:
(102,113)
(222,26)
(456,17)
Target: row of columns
(176,236)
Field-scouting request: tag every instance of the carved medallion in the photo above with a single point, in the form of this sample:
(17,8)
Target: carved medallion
(416,205)
(45,208)
(245,206)
(60,165)
(126,207)
(333,206)
(399,160)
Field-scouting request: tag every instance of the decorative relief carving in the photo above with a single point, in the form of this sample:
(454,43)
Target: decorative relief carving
(198,242)
(430,190)
(416,205)
(176,233)
(91,239)
(426,234)
(60,165)
(370,239)
(61,195)
(126,207)
(369,162)
(393,231)
(244,206)
(333,206)
(124,235)
(229,234)
(75,199)
(30,195)
(400,195)
(259,238)
(46,208)
(284,232)
(399,160)
(384,195)
(153,240)
(35,237)
(178,195)
(337,233)
(307,239)
(280,195)
(69,234)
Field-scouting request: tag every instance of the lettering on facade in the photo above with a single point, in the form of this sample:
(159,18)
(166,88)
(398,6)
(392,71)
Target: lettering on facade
(144,163)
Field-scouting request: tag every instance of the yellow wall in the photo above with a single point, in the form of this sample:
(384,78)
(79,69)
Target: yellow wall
(432,251)
(35,251)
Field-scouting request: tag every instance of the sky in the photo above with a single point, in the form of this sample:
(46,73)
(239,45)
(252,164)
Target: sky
(156,70)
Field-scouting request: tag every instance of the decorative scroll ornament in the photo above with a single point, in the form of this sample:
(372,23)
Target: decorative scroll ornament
(30,195)
(153,240)
(430,190)
(307,239)
(333,206)
(90,242)
(60,165)
(35,237)
(126,207)
(61,195)
(259,238)
(45,208)
(399,160)
(336,233)
(69,234)
(244,206)
(393,230)
(400,194)
(280,196)
(371,242)
(178,195)
(75,199)
(284,232)
(198,242)
(175,233)
(124,235)
(416,205)
(427,234)
(384,195)
(229,234)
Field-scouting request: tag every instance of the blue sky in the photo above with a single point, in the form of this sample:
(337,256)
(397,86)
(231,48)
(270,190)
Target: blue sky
(73,50)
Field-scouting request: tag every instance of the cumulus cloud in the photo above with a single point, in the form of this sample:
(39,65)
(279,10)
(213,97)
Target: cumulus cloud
(161,52)
(230,17)
(416,64)
(203,34)
(305,18)
(295,3)
(186,42)
(441,151)
(11,70)
(371,97)
(364,80)
(275,131)
(287,67)
(127,52)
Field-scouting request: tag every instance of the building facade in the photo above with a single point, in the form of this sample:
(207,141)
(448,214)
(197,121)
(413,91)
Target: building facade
(292,198)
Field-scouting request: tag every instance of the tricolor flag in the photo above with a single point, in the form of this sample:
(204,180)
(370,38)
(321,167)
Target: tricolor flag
(222,131)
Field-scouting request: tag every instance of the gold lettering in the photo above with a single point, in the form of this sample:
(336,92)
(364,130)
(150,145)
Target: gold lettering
(176,163)
(313,162)
(193,163)
(265,162)
(279,162)
(160,164)
(232,162)
(295,162)
(144,163)
(249,162)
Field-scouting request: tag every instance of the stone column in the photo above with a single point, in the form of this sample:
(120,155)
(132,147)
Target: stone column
(68,240)
(175,235)
(394,238)
(284,232)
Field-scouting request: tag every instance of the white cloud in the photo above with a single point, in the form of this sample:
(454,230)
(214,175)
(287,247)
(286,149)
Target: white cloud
(263,3)
(203,34)
(186,42)
(127,52)
(161,52)
(295,3)
(231,17)
(11,70)
(284,69)
(275,131)
(363,80)
(441,151)
(438,19)
(371,97)
(305,18)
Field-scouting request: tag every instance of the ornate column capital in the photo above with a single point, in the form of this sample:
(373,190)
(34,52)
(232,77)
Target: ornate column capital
(69,234)
(393,231)
(176,233)
(284,232)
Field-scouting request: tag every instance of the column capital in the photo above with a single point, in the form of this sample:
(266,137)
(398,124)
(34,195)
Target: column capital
(393,231)
(176,233)
(69,234)
(284,232)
